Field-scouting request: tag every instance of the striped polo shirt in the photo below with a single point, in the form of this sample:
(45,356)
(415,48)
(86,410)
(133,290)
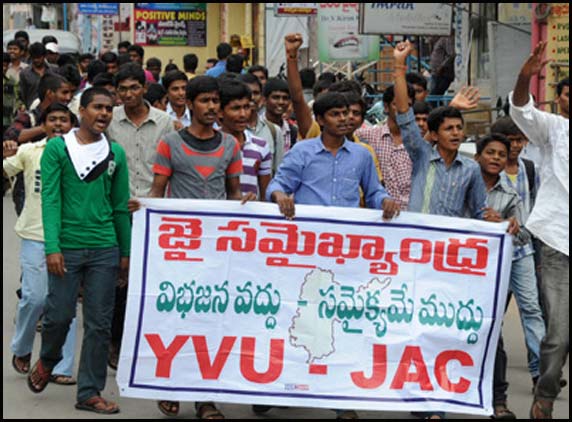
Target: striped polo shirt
(195,174)
(256,161)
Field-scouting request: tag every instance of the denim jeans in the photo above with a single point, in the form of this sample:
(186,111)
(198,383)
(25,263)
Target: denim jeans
(555,345)
(523,286)
(98,270)
(31,306)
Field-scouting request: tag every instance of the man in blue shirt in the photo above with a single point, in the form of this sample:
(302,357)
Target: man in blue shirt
(443,181)
(329,170)
(223,50)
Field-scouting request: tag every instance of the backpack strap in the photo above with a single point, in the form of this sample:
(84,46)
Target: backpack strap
(531,176)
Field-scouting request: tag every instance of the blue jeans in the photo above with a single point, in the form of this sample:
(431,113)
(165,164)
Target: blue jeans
(97,270)
(31,307)
(554,347)
(523,286)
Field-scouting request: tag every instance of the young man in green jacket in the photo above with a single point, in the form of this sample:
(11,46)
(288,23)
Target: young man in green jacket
(87,239)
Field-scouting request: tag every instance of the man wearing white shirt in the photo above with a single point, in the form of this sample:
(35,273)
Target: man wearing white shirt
(549,222)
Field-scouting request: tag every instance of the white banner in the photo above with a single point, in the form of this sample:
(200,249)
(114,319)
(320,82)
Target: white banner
(405,18)
(335,309)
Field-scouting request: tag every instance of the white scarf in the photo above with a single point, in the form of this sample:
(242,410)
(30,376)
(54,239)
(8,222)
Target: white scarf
(86,157)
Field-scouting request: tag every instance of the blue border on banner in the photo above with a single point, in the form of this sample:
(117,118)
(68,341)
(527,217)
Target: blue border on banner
(148,213)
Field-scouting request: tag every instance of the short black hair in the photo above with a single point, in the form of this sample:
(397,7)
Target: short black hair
(234,63)
(172,76)
(321,86)
(249,78)
(155,92)
(66,59)
(22,34)
(37,50)
(52,108)
(16,43)
(171,67)
(233,89)
(201,85)
(102,80)
(89,94)
(258,68)
(482,143)
(86,56)
(421,107)
(438,116)
(275,84)
(346,86)
(353,98)
(227,75)
(109,57)
(389,94)
(416,79)
(50,82)
(223,50)
(95,68)
(123,59)
(48,39)
(308,77)
(328,76)
(137,49)
(71,74)
(506,126)
(560,87)
(154,62)
(212,60)
(130,71)
(328,101)
(190,62)
(123,44)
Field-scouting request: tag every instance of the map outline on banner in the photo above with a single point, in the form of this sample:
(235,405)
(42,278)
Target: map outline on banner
(138,337)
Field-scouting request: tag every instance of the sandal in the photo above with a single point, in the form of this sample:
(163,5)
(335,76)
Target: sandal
(347,414)
(22,364)
(208,410)
(62,380)
(38,378)
(541,409)
(98,404)
(168,408)
(502,412)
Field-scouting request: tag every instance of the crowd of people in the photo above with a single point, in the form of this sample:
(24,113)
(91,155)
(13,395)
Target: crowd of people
(83,140)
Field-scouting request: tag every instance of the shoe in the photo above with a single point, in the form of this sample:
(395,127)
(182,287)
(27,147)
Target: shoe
(502,412)
(541,409)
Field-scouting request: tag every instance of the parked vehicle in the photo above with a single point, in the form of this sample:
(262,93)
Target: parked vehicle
(68,42)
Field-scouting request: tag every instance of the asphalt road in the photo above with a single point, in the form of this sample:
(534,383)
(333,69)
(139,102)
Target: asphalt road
(57,402)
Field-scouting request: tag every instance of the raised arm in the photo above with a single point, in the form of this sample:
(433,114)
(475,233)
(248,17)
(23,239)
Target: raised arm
(292,43)
(531,67)
(400,53)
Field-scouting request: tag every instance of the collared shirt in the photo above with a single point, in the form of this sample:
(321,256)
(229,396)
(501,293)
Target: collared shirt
(549,218)
(506,201)
(455,191)
(272,135)
(140,144)
(256,161)
(394,161)
(30,83)
(525,193)
(218,69)
(27,160)
(14,72)
(316,177)
(185,119)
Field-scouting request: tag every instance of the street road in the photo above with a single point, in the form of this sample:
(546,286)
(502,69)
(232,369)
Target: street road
(57,402)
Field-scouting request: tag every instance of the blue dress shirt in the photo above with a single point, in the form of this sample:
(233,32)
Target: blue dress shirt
(457,191)
(316,177)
